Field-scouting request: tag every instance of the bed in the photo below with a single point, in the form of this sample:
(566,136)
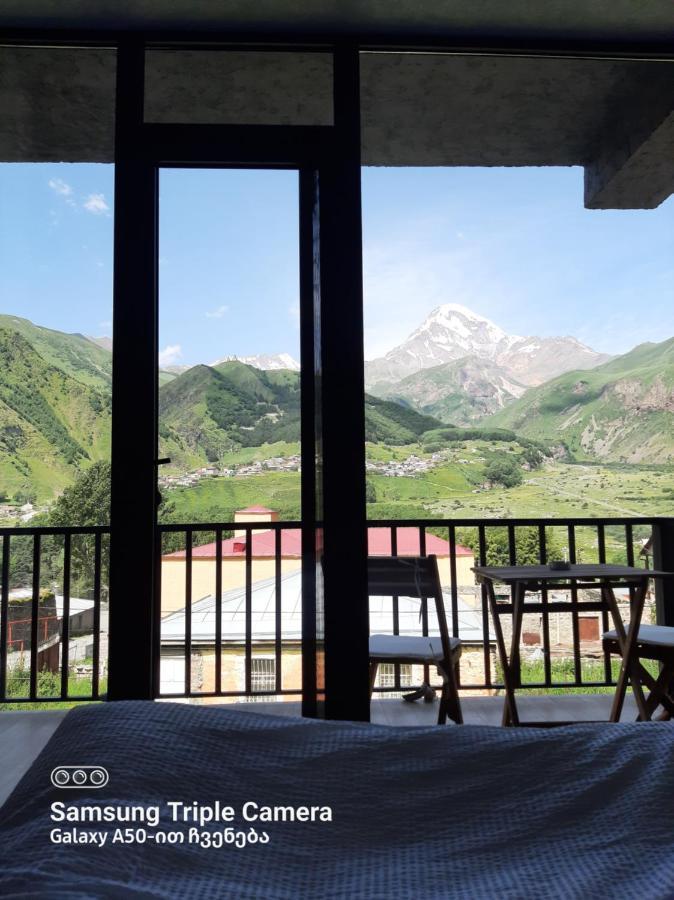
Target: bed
(457,811)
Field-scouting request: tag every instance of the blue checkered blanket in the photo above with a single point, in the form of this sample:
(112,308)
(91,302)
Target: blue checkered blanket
(583,811)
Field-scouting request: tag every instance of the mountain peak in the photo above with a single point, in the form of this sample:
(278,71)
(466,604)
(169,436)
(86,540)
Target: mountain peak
(452,331)
(266,361)
(446,309)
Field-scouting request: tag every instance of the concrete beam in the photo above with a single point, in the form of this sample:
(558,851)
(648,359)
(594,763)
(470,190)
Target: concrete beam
(57,105)
(634,165)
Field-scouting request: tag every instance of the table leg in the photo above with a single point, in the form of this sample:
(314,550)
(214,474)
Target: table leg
(630,666)
(510,715)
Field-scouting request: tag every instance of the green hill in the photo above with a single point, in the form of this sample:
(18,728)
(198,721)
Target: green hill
(207,412)
(461,392)
(51,424)
(55,410)
(73,354)
(622,411)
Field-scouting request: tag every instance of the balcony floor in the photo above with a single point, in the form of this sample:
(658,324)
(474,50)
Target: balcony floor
(479,710)
(23,734)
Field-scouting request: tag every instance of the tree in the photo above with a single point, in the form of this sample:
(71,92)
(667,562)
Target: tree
(527,550)
(370,492)
(503,470)
(86,502)
(533,457)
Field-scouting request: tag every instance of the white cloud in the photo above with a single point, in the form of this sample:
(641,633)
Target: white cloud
(170,355)
(217,313)
(106,325)
(294,313)
(95,203)
(63,189)
(60,186)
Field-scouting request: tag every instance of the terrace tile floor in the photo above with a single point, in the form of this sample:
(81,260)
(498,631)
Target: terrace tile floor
(480,710)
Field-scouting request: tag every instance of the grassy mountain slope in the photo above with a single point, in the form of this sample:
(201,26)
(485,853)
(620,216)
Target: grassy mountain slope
(73,354)
(621,411)
(461,392)
(207,412)
(51,425)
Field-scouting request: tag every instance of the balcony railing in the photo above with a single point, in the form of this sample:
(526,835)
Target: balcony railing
(229,602)
(53,614)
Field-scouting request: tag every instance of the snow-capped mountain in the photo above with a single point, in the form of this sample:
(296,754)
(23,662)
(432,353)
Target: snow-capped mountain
(266,361)
(452,332)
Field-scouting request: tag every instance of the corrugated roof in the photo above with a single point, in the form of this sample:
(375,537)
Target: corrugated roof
(379,544)
(263,607)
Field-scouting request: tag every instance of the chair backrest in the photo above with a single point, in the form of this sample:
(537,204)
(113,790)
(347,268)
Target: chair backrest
(409,576)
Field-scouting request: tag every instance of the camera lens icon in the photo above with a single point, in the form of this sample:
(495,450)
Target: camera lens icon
(79,777)
(98,777)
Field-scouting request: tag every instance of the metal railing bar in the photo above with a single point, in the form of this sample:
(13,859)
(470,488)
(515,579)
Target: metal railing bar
(396,612)
(188,611)
(629,543)
(601,556)
(278,612)
(35,615)
(167,528)
(57,699)
(454,591)
(545,613)
(377,523)
(466,523)
(4,613)
(249,613)
(482,556)
(288,692)
(575,626)
(95,687)
(59,529)
(218,610)
(65,621)
(424,601)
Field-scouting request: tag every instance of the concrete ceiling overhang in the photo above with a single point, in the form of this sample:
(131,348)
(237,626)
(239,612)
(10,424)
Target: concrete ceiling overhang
(602,20)
(615,118)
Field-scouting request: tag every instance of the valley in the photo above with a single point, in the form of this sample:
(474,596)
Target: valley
(462,421)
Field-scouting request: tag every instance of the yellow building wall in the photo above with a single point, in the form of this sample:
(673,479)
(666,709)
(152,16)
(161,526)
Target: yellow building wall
(234,576)
(233,675)
(203,578)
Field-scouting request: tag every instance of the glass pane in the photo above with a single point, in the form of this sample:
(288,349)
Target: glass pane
(517,224)
(229,421)
(519,326)
(56,254)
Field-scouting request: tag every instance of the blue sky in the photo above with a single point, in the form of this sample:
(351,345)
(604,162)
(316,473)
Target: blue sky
(515,245)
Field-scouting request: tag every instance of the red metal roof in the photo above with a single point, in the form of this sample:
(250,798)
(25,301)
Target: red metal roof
(379,544)
(254,509)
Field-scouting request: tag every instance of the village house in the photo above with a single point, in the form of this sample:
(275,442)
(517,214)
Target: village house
(275,667)
(263,555)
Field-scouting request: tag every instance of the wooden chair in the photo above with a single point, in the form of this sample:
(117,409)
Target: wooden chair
(415,576)
(653,642)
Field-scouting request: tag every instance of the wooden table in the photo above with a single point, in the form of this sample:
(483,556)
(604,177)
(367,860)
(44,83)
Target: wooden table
(602,577)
